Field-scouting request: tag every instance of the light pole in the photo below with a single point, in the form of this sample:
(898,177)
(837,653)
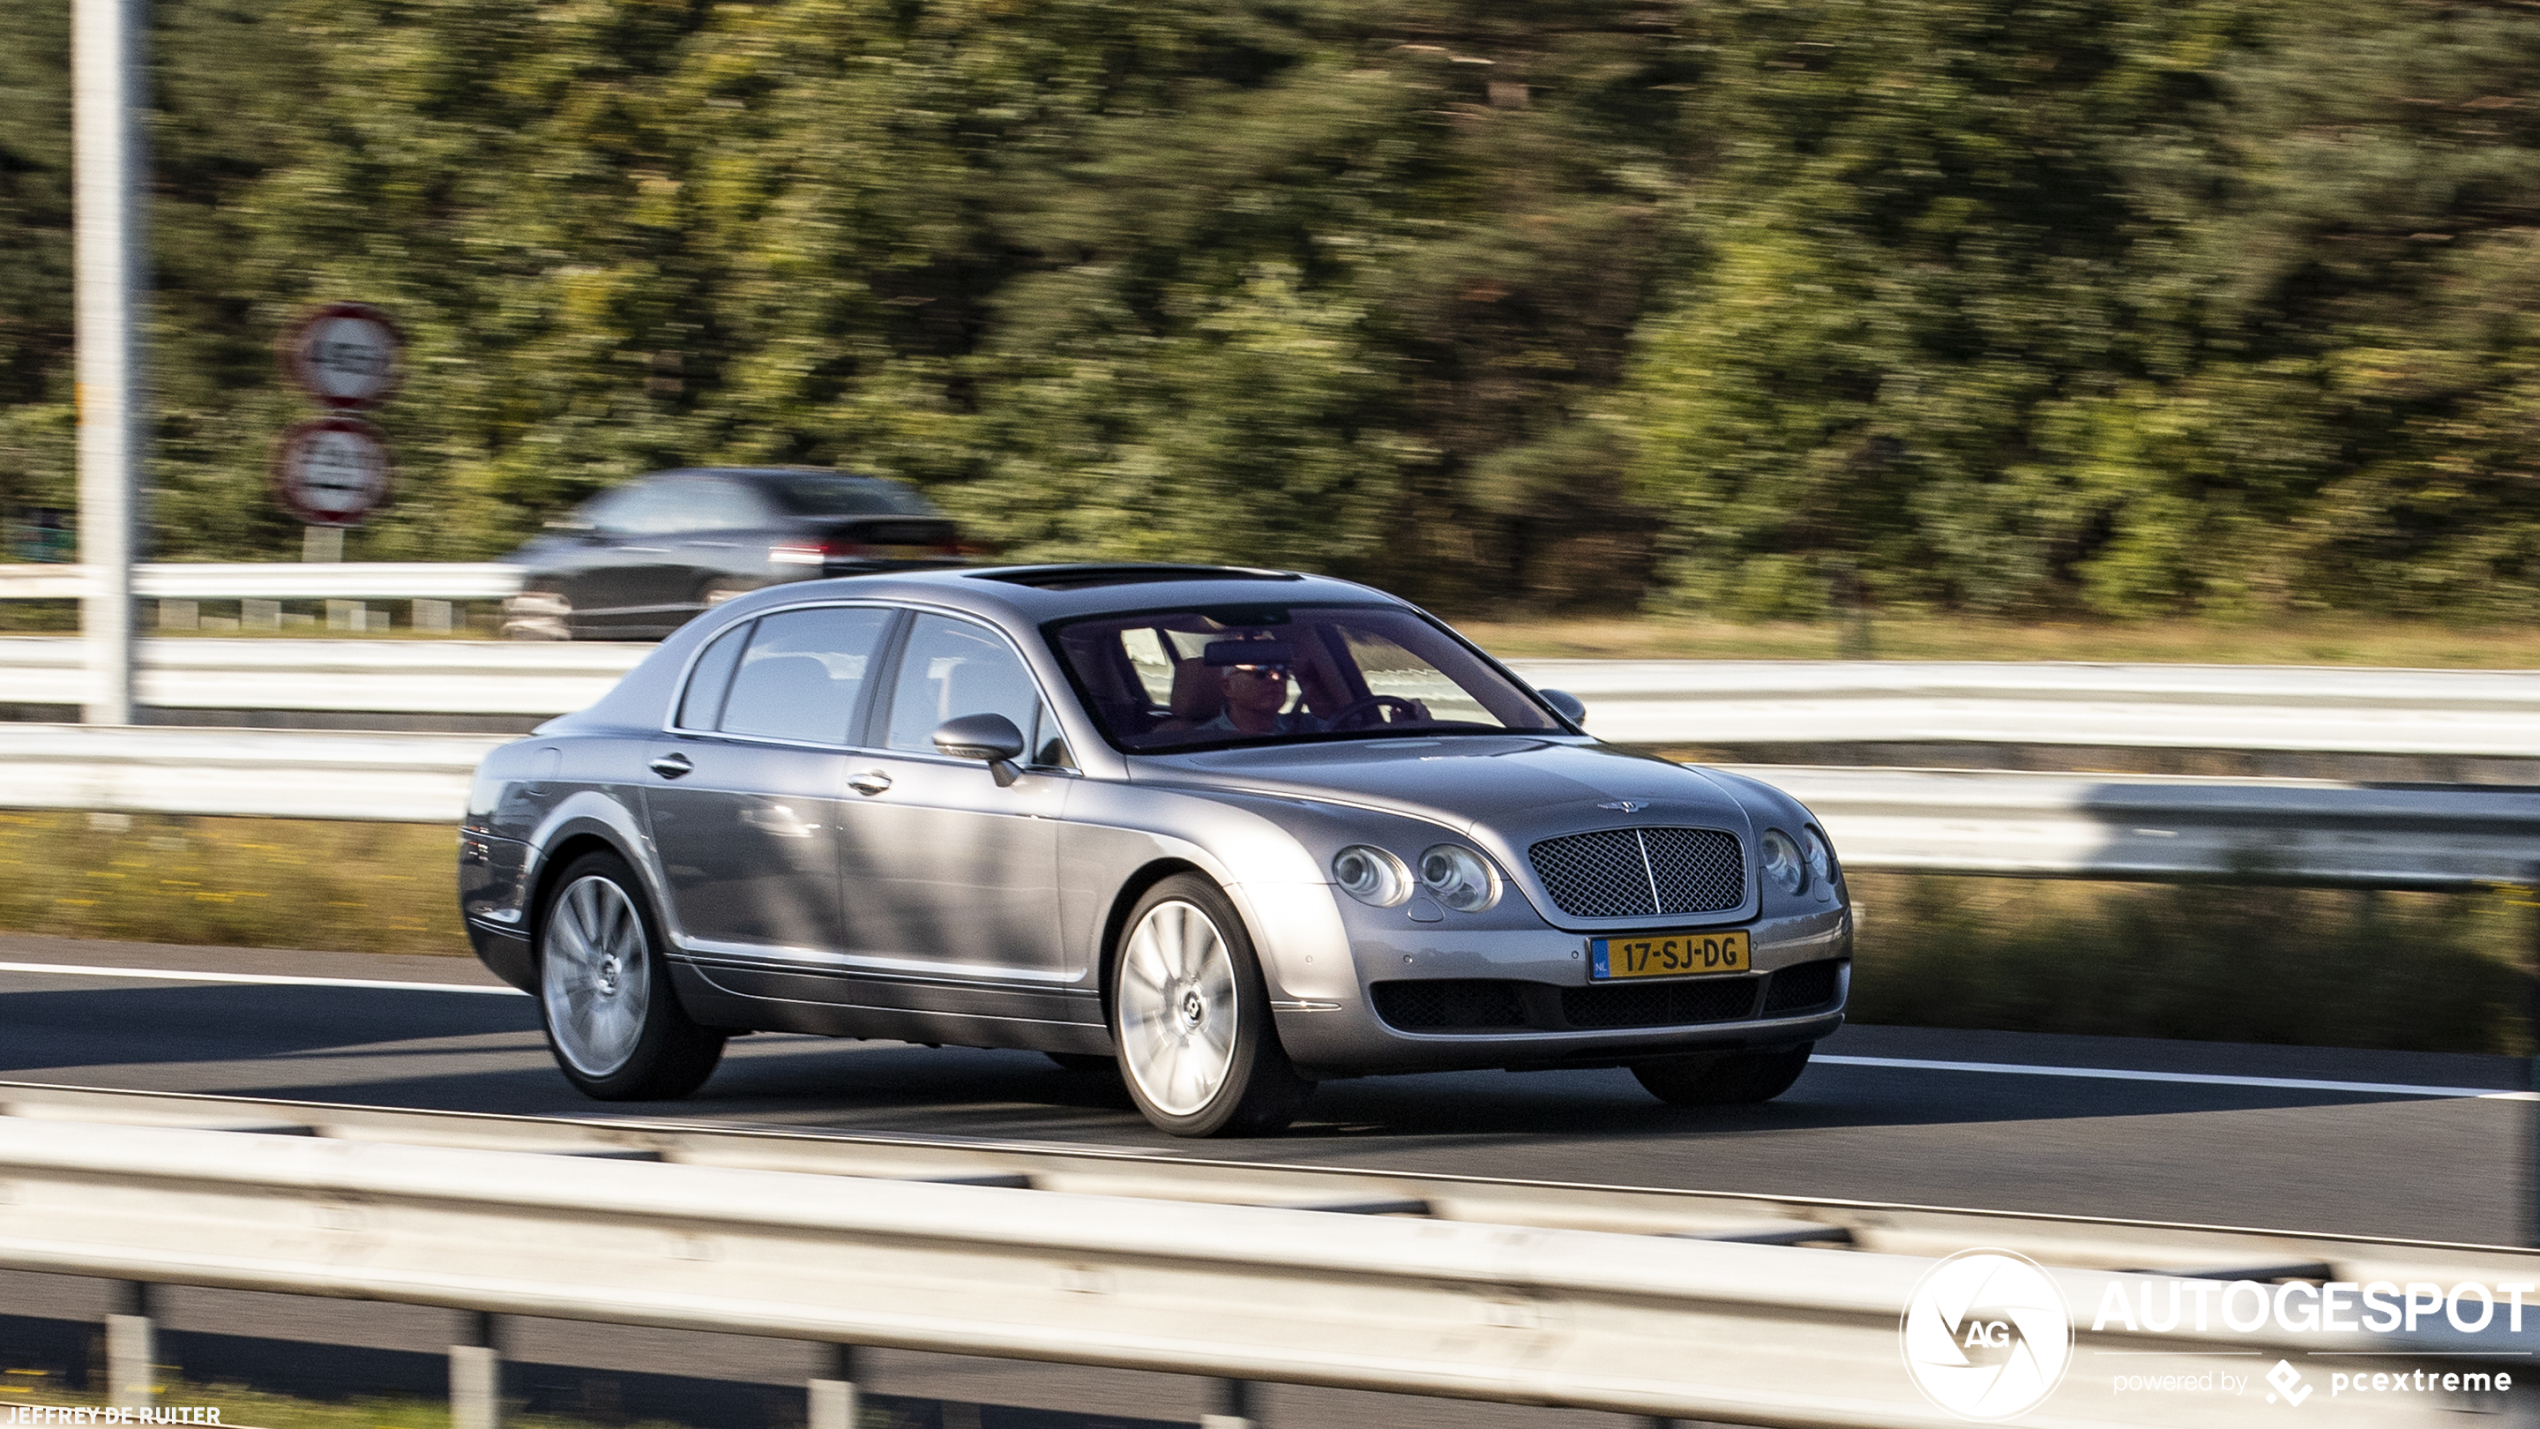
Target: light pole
(110,154)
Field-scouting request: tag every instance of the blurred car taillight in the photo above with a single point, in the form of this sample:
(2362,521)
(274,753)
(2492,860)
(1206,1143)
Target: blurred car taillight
(814,553)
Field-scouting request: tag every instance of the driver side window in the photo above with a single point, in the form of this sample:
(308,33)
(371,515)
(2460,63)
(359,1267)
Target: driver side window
(951,668)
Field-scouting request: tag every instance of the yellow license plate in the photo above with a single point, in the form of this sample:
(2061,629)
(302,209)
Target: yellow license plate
(1668,955)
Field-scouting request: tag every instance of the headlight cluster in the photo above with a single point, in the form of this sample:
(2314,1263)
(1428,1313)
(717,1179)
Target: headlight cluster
(1453,874)
(1790,863)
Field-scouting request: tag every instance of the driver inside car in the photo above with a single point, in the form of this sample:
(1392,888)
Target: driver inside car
(1255,675)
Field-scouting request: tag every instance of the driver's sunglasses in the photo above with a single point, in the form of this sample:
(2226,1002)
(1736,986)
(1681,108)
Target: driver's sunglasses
(1260,672)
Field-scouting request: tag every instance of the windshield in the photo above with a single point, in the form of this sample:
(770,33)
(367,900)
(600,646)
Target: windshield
(814,495)
(1204,679)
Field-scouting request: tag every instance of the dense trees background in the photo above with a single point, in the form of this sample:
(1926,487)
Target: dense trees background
(2009,305)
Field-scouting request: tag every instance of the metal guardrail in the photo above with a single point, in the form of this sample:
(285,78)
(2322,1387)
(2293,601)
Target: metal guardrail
(292,774)
(1937,821)
(1672,1325)
(277,580)
(1682,702)
(432,677)
(2239,707)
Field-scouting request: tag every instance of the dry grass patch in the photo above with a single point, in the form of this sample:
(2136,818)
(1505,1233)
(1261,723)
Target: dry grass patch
(2294,966)
(2323,640)
(261,883)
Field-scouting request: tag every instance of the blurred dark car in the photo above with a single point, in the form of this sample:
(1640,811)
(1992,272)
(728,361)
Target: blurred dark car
(637,561)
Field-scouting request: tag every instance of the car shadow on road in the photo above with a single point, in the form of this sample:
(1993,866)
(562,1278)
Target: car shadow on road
(360,1046)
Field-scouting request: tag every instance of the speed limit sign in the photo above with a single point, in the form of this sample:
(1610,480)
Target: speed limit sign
(345,355)
(332,471)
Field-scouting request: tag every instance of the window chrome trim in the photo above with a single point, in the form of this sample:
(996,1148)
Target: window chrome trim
(688,671)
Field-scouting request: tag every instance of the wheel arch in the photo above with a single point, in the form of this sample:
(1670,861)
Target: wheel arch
(552,863)
(1116,920)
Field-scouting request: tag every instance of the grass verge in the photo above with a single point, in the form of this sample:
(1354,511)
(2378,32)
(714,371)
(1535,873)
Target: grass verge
(2321,640)
(261,883)
(2213,962)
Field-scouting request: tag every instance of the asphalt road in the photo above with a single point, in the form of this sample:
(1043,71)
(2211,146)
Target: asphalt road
(2310,1159)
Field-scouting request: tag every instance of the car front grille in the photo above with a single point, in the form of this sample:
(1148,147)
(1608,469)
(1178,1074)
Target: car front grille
(1803,986)
(1642,873)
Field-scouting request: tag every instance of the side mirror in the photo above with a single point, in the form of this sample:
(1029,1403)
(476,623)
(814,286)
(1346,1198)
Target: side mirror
(991,737)
(1566,705)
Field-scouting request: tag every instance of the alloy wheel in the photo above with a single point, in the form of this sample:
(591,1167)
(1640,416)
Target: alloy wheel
(1177,1007)
(597,977)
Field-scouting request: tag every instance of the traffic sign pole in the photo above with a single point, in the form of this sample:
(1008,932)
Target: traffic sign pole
(112,282)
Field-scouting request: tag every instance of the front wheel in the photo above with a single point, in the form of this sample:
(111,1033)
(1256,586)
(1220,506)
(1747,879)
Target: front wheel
(1190,1015)
(617,1030)
(1739,1079)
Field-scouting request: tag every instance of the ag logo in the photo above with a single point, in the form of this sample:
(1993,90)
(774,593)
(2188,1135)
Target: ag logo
(1987,1335)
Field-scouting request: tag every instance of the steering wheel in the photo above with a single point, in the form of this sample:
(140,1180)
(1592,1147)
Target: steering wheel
(1357,710)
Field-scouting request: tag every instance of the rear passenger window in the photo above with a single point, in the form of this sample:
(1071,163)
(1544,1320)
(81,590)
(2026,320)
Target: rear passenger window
(802,673)
(702,706)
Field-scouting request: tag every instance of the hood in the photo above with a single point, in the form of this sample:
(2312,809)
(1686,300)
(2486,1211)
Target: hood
(1523,787)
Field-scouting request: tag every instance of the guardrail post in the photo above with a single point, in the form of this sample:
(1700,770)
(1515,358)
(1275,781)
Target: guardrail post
(476,1377)
(111,285)
(131,1351)
(2529,896)
(833,1394)
(1234,1406)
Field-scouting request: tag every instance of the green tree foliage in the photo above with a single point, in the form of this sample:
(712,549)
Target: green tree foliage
(2123,305)
(2013,306)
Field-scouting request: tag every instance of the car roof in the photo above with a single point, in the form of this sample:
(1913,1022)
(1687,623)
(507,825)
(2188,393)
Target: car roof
(1036,594)
(1019,597)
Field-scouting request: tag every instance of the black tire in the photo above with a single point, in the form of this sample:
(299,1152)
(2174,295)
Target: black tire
(538,614)
(626,1038)
(1739,1079)
(1255,1090)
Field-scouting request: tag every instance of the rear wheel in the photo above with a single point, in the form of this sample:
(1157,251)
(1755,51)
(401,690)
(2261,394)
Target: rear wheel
(538,615)
(1190,1014)
(617,1030)
(1739,1079)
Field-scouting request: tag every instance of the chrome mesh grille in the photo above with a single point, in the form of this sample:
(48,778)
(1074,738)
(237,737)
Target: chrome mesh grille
(1642,873)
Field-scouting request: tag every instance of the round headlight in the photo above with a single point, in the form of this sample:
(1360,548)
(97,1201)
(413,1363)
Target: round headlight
(1371,875)
(1812,845)
(1782,861)
(1459,878)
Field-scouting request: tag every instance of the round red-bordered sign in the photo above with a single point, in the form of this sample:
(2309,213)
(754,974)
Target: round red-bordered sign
(333,471)
(346,355)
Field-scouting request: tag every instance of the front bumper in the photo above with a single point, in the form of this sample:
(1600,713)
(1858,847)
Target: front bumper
(1441,998)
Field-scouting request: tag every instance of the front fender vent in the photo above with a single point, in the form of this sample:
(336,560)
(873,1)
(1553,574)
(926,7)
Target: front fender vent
(1642,873)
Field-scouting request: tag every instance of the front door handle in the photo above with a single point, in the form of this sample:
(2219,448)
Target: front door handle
(671,766)
(871,781)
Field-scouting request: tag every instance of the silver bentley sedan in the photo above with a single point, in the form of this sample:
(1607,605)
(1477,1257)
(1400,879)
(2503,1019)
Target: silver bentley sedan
(1231,831)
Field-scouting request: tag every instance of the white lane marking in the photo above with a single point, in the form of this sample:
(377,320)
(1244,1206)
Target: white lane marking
(266,979)
(1901,1064)
(2194,1079)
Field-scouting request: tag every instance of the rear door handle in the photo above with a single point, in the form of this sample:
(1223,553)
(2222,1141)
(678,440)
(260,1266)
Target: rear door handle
(671,766)
(871,781)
